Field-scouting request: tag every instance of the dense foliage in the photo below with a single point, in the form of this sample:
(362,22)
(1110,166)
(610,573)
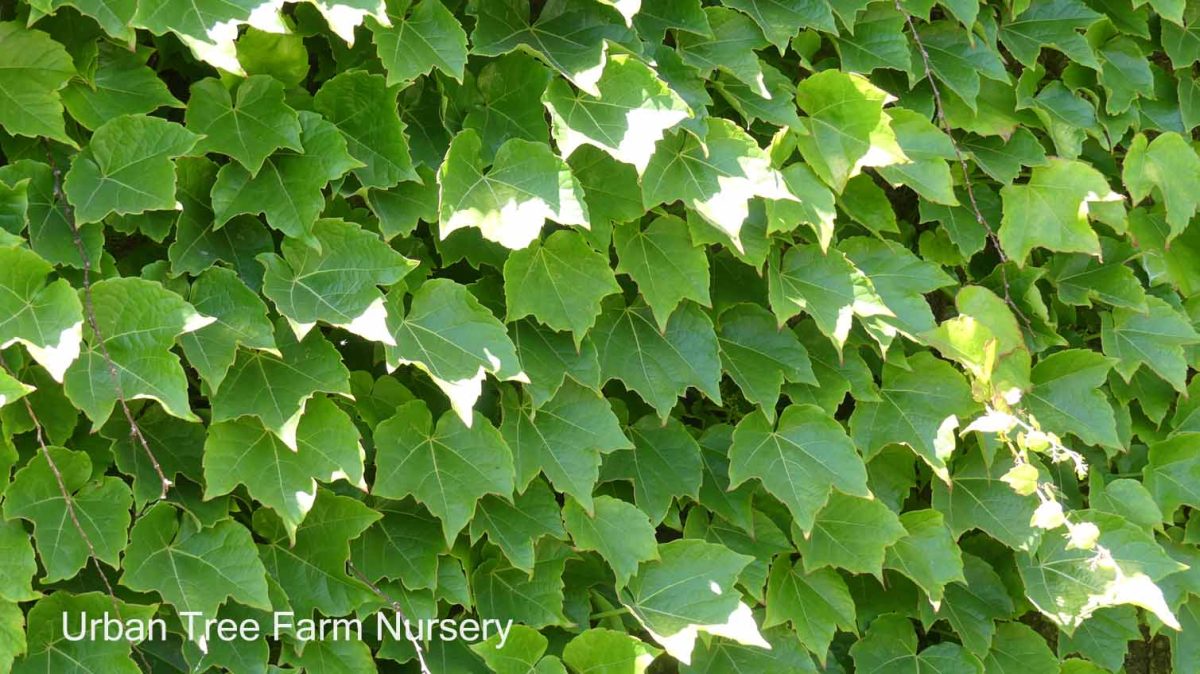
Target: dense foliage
(742,336)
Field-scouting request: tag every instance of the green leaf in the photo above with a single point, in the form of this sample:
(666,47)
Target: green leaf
(977,498)
(1051,210)
(1168,167)
(621,533)
(1170,472)
(959,61)
(138,322)
(817,604)
(850,533)
(569,37)
(919,407)
(1051,23)
(689,590)
(287,190)
(280,477)
(510,202)
(1066,396)
(449,335)
(35,68)
(847,129)
(659,366)
(605,651)
(1104,637)
(510,106)
(1080,279)
(17,565)
(425,37)
(890,645)
(722,656)
(250,128)
(901,281)
(241,319)
(551,358)
(127,168)
(799,461)
(276,388)
(101,505)
(928,555)
(310,568)
(760,356)
(664,263)
(363,108)
(1125,74)
(717,176)
(515,526)
(823,284)
(627,119)
(50,651)
(192,22)
(46,318)
(730,47)
(465,462)
(655,18)
(559,282)
(122,85)
(403,545)
(1017,648)
(1155,339)
(194,568)
(177,446)
(973,607)
(335,284)
(664,463)
(564,439)
(533,599)
(877,41)
(520,654)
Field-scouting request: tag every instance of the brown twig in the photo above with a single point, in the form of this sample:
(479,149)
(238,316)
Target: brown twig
(395,607)
(69,503)
(940,112)
(89,310)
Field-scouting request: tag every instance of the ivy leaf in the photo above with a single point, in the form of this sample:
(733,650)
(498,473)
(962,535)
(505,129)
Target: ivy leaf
(959,61)
(194,568)
(48,649)
(465,462)
(509,203)
(627,119)
(17,564)
(816,604)
(178,447)
(47,318)
(1017,648)
(427,37)
(287,190)
(928,554)
(847,129)
(48,229)
(919,407)
(618,531)
(1170,166)
(35,68)
(717,176)
(404,545)
(127,168)
(122,85)
(760,356)
(521,653)
(850,533)
(102,506)
(510,90)
(878,41)
(515,526)
(664,463)
(1051,210)
(977,498)
(654,19)
(280,477)
(1066,396)
(781,21)
(1051,23)
(250,128)
(786,656)
(139,321)
(310,567)
(928,150)
(799,460)
(564,439)
(689,590)
(1155,339)
(569,37)
(449,335)
(1170,470)
(890,645)
(659,366)
(550,359)
(199,244)
(901,281)
(664,263)
(823,284)
(559,281)
(363,108)
(335,284)
(730,47)
(973,607)
(604,651)
(534,599)
(241,319)
(192,22)
(276,389)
